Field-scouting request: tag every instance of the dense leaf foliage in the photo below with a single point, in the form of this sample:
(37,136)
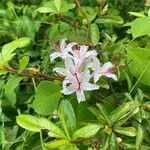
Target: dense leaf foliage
(74,74)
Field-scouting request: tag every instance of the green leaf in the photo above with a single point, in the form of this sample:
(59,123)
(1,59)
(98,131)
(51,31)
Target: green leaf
(104,113)
(35,124)
(86,132)
(98,115)
(57,4)
(23,63)
(10,86)
(46,98)
(46,10)
(124,119)
(89,12)
(139,137)
(8,49)
(29,123)
(140,65)
(28,26)
(71,147)
(109,20)
(128,131)
(67,7)
(140,27)
(122,111)
(133,147)
(56,143)
(113,145)
(136,14)
(94,33)
(67,117)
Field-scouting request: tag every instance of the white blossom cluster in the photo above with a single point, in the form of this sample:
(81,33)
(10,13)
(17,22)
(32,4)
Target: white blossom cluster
(81,67)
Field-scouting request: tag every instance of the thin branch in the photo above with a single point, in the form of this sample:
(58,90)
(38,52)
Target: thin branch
(31,73)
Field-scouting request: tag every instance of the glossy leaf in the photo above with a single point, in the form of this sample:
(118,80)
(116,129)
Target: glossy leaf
(94,33)
(113,145)
(136,14)
(139,137)
(23,63)
(140,66)
(104,113)
(140,27)
(29,123)
(35,124)
(122,111)
(67,117)
(98,115)
(56,143)
(46,10)
(67,7)
(109,20)
(86,132)
(46,97)
(57,4)
(8,49)
(128,131)
(10,86)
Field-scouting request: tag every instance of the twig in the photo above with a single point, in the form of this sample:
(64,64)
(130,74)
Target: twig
(31,73)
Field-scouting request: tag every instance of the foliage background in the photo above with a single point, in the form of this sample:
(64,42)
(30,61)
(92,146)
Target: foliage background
(26,86)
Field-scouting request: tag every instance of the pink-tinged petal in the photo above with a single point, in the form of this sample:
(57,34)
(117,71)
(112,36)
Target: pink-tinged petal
(60,70)
(113,76)
(89,86)
(83,50)
(80,96)
(55,55)
(105,69)
(107,66)
(62,45)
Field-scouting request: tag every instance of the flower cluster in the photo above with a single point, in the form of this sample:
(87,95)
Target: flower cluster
(81,66)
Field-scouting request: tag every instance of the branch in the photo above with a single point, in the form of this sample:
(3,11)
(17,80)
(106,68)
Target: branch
(31,73)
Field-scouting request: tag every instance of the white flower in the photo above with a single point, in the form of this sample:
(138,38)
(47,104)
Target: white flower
(76,81)
(105,70)
(64,50)
(81,57)
(79,62)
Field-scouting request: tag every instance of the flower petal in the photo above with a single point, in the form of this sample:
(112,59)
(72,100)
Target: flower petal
(67,91)
(83,50)
(96,76)
(70,65)
(95,63)
(55,55)
(60,70)
(107,66)
(80,96)
(89,86)
(84,76)
(62,45)
(91,53)
(113,76)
